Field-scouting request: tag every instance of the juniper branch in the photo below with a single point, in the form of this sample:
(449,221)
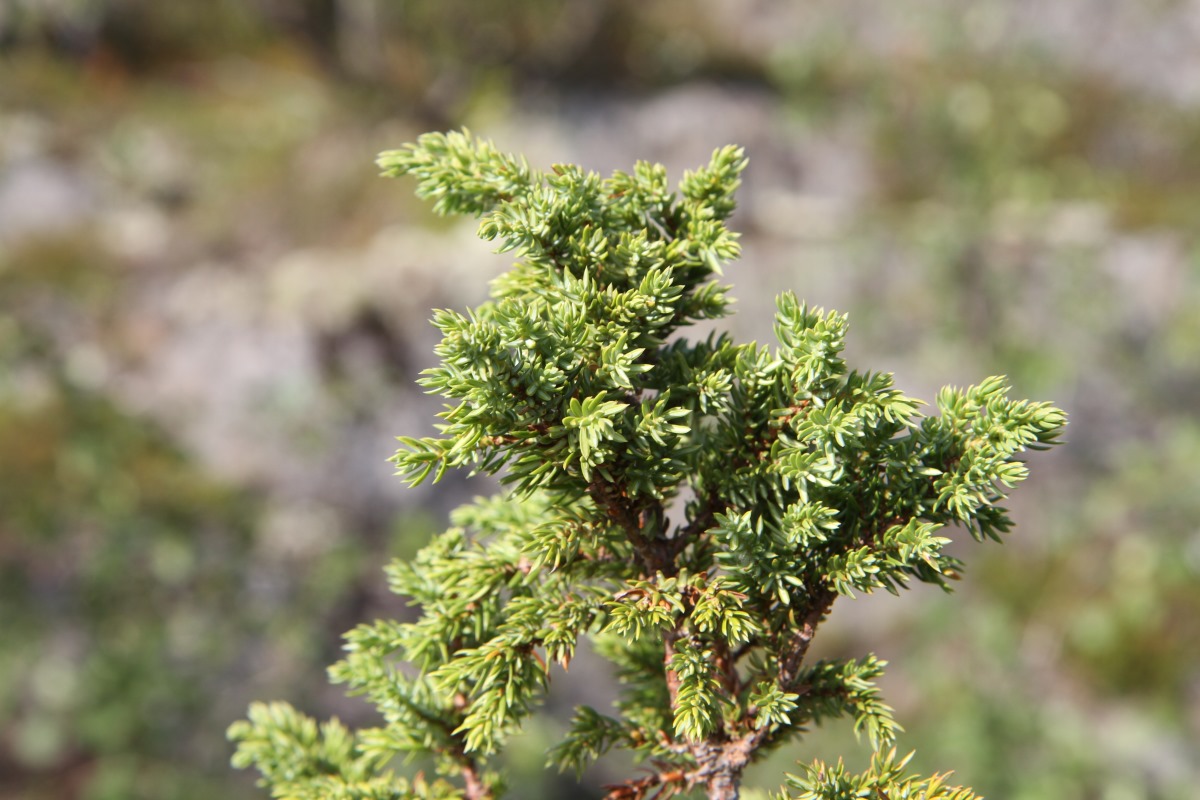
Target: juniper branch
(575,386)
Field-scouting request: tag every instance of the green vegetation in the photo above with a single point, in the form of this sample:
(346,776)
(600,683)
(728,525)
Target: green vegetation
(982,193)
(795,480)
(123,606)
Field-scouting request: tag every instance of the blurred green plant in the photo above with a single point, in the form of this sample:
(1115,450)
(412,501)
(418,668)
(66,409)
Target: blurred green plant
(798,481)
(115,645)
(127,583)
(119,581)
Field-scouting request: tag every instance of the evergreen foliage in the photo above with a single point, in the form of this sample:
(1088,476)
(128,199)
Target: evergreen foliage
(793,480)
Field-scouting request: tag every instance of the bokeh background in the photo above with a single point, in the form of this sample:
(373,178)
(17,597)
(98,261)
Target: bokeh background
(212,313)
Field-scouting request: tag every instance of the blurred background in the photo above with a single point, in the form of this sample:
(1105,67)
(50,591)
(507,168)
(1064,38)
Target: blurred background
(212,313)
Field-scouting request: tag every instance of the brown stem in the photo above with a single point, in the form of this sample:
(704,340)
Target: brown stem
(475,788)
(726,667)
(724,785)
(720,772)
(722,765)
(802,639)
(655,552)
(668,781)
(669,639)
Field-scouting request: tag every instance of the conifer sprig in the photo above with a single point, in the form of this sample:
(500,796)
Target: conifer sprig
(805,481)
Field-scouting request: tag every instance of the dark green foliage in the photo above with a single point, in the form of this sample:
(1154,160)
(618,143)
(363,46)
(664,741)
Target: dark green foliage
(794,480)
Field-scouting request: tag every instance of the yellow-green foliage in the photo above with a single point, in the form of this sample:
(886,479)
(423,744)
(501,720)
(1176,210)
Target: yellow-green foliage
(804,480)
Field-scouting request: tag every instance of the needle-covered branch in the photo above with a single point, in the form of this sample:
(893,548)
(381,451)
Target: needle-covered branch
(797,480)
